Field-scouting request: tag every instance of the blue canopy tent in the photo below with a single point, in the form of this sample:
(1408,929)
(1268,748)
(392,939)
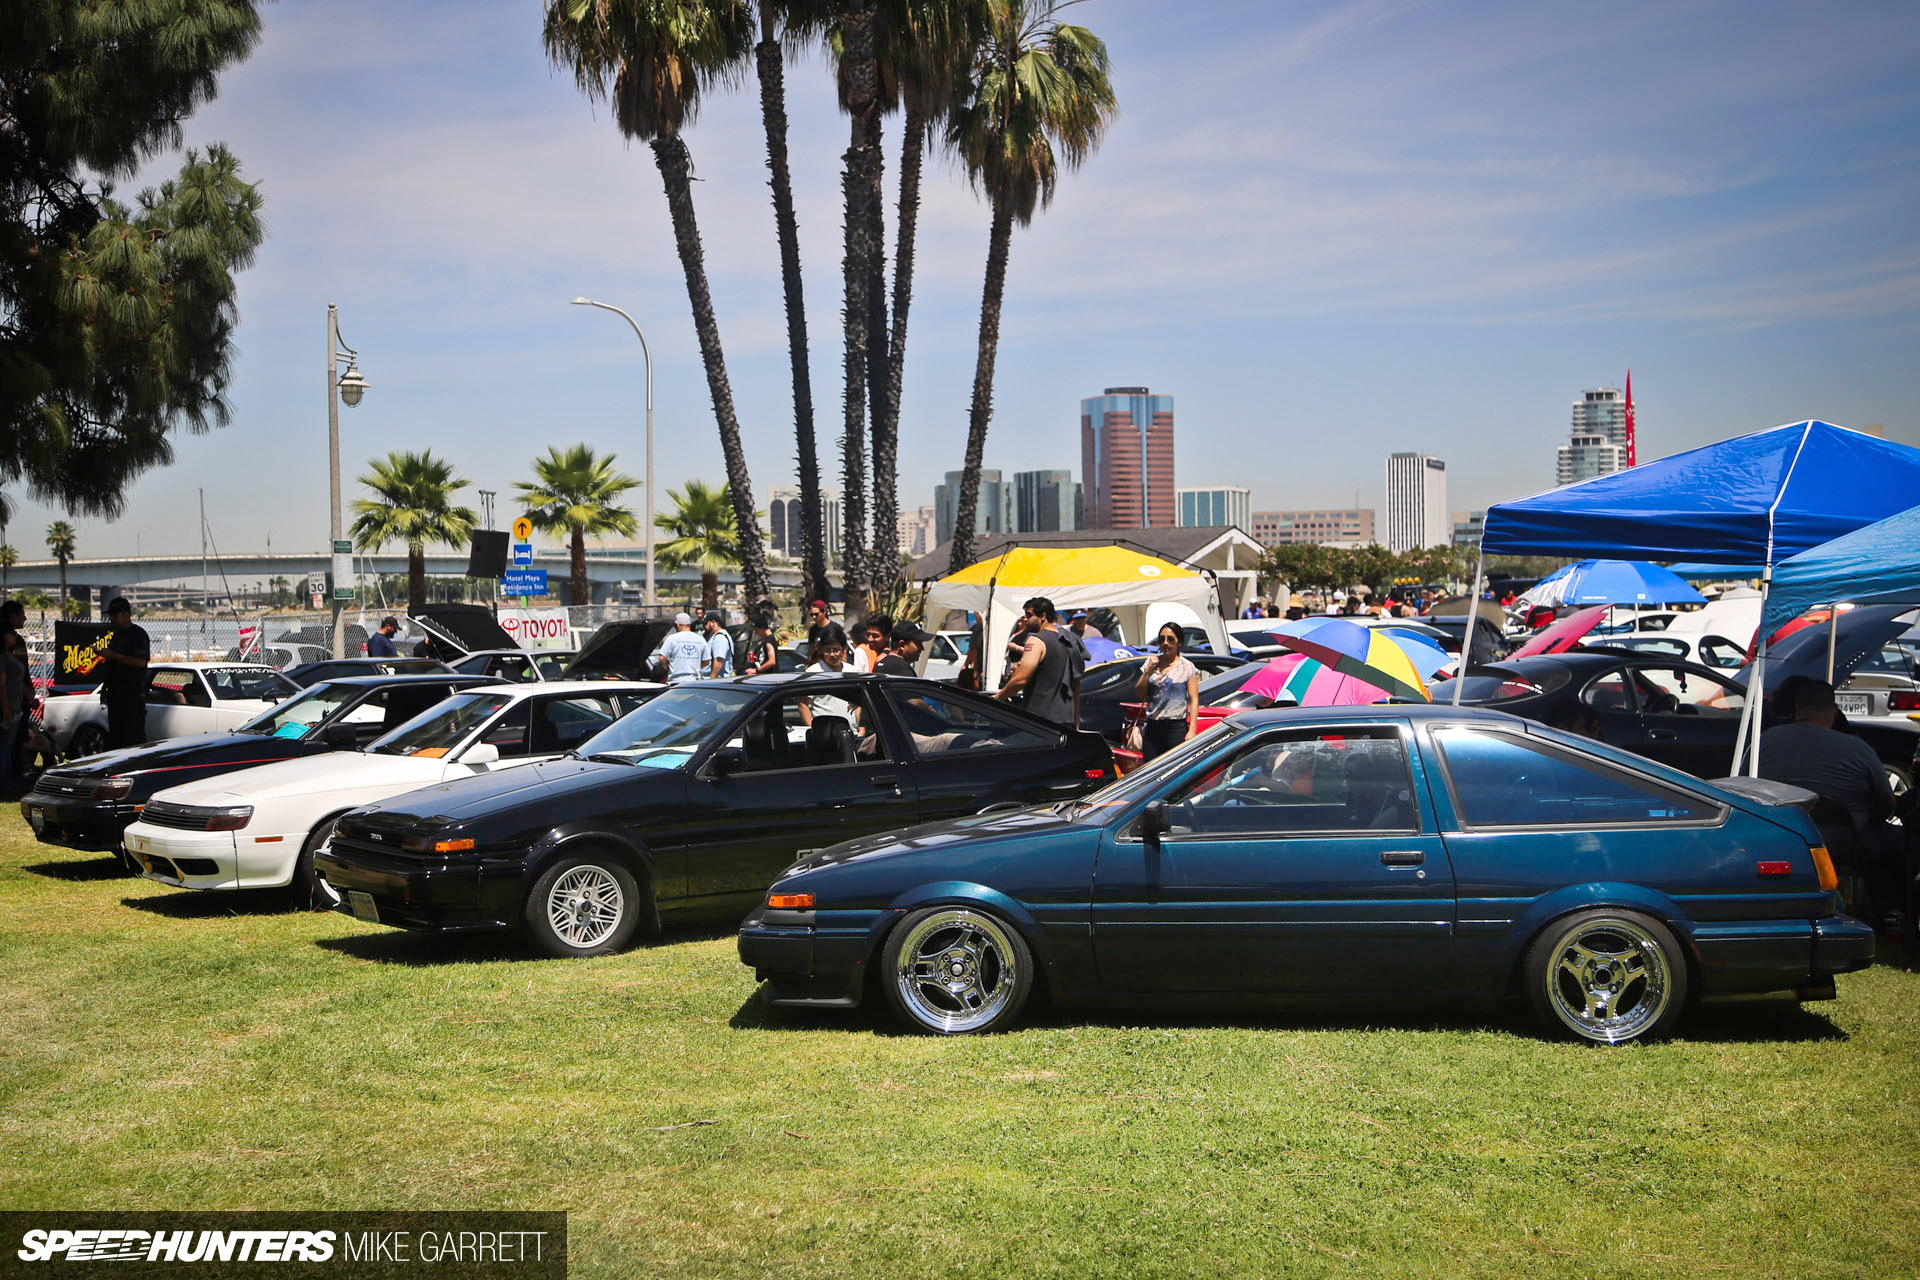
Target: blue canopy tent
(1755,499)
(1879,564)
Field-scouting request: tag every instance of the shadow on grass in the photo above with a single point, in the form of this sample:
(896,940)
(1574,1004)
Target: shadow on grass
(189,904)
(106,867)
(400,946)
(1760,1022)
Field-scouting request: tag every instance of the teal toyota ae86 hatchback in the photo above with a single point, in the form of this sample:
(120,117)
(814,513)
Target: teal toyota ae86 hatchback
(1343,856)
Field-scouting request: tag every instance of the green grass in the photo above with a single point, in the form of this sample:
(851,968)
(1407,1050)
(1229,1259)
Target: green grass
(166,1049)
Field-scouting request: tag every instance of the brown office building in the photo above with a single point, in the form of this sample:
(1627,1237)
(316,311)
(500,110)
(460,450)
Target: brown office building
(1126,459)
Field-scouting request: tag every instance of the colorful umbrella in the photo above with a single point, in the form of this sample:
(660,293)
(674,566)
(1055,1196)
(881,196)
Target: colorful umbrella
(1297,678)
(1611,582)
(1364,653)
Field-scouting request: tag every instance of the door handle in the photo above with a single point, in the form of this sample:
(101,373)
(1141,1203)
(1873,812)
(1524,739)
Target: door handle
(1662,735)
(888,783)
(1403,857)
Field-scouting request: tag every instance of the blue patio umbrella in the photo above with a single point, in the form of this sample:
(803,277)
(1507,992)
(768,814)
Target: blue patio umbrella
(1588,582)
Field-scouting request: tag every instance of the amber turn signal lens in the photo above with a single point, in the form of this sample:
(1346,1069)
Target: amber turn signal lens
(1823,867)
(790,901)
(452,846)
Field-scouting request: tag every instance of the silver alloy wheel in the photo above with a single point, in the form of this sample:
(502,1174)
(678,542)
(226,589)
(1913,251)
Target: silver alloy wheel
(585,905)
(1609,980)
(956,970)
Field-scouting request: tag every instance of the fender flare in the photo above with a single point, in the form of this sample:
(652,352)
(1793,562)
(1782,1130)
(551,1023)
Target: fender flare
(958,893)
(575,837)
(1594,896)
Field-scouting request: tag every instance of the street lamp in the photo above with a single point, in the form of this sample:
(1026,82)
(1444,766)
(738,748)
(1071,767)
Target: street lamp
(351,387)
(648,356)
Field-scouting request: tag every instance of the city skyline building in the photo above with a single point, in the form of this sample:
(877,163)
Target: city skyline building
(1598,443)
(916,531)
(1468,526)
(1126,459)
(1219,505)
(992,512)
(1047,502)
(1348,527)
(1417,515)
(785,521)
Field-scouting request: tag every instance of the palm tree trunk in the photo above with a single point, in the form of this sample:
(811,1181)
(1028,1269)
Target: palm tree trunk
(886,426)
(710,591)
(63,586)
(998,240)
(879,572)
(773,113)
(857,186)
(578,565)
(670,154)
(416,576)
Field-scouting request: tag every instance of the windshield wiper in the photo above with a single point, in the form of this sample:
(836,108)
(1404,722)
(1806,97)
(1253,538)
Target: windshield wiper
(602,757)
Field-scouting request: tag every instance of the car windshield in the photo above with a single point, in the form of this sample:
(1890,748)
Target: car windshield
(443,727)
(664,733)
(1097,805)
(241,683)
(1501,686)
(294,717)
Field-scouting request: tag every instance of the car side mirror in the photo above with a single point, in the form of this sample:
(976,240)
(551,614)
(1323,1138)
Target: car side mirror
(1153,821)
(340,737)
(481,754)
(726,762)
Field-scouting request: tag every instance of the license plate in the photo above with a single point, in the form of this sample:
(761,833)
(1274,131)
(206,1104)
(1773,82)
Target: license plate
(37,819)
(1853,704)
(363,908)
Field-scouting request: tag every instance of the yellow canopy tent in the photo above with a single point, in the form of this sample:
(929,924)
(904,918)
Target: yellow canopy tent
(1140,589)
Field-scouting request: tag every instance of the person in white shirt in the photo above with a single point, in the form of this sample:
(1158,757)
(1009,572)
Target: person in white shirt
(683,653)
(831,649)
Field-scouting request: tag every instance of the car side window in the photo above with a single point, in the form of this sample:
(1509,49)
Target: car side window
(1501,779)
(509,733)
(1341,780)
(941,725)
(1677,691)
(1718,651)
(561,724)
(1609,695)
(943,650)
(838,731)
(515,668)
(173,687)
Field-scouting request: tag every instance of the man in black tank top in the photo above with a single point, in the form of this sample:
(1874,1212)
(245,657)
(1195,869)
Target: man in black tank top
(1043,681)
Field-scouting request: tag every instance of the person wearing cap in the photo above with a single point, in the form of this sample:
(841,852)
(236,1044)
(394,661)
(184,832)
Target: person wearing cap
(819,618)
(380,643)
(1078,656)
(683,653)
(719,645)
(907,641)
(124,676)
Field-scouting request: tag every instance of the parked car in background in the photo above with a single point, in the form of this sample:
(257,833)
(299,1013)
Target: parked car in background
(1714,651)
(312,673)
(521,666)
(88,804)
(184,698)
(1345,855)
(946,654)
(259,828)
(1886,685)
(618,651)
(690,805)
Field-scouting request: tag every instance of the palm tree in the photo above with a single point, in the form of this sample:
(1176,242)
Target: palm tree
(576,493)
(860,81)
(8,558)
(35,598)
(60,541)
(771,64)
(1037,99)
(704,531)
(652,59)
(412,503)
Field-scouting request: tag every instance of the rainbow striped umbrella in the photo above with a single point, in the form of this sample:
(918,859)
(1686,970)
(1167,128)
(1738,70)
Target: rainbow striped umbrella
(1362,653)
(1310,684)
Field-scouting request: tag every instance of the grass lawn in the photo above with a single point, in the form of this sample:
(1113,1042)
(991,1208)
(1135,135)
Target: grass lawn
(172,1050)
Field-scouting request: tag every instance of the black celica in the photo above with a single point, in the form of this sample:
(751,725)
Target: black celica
(88,804)
(691,805)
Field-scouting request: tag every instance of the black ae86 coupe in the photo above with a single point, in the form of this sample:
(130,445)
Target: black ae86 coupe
(693,803)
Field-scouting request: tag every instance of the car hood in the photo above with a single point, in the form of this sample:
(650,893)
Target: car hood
(939,839)
(486,795)
(337,772)
(172,753)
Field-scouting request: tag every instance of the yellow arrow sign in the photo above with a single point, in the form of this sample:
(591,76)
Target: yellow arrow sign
(522,530)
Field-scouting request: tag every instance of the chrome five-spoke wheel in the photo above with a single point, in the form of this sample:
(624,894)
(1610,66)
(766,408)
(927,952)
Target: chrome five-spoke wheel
(955,970)
(1607,977)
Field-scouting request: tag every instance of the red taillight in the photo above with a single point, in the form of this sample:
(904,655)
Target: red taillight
(1096,774)
(1776,868)
(1903,700)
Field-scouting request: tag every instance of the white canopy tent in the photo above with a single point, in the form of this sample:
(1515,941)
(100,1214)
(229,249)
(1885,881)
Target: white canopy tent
(1125,581)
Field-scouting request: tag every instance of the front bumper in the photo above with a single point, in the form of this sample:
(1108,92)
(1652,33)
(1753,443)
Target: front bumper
(443,896)
(187,859)
(94,826)
(811,959)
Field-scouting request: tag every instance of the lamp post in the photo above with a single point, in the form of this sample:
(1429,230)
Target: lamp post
(351,387)
(647,354)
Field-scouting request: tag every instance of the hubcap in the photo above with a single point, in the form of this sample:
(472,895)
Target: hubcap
(584,906)
(956,970)
(1609,981)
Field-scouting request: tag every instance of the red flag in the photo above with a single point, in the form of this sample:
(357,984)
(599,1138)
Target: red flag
(1630,449)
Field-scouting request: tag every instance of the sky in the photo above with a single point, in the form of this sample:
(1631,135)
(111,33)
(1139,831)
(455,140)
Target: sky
(1330,230)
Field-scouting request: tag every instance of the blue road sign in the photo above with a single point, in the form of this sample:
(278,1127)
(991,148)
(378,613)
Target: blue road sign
(524,582)
(523,553)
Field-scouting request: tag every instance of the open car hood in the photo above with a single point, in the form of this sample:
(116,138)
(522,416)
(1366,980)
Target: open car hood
(1859,635)
(466,628)
(617,649)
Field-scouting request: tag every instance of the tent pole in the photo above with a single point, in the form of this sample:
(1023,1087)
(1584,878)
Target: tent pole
(1833,635)
(1473,622)
(1750,714)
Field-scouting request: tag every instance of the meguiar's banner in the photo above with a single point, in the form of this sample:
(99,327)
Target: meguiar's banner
(77,647)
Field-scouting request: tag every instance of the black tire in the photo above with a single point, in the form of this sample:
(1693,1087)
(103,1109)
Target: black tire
(956,970)
(1606,977)
(88,740)
(584,905)
(1899,778)
(306,891)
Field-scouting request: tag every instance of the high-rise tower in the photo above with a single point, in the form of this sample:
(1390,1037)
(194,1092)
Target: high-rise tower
(1126,459)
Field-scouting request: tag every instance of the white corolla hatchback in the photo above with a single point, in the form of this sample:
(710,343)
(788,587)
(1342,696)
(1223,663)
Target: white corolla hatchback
(259,828)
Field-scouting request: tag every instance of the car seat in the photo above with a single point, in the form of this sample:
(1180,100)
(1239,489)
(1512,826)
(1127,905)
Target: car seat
(763,747)
(830,740)
(1376,795)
